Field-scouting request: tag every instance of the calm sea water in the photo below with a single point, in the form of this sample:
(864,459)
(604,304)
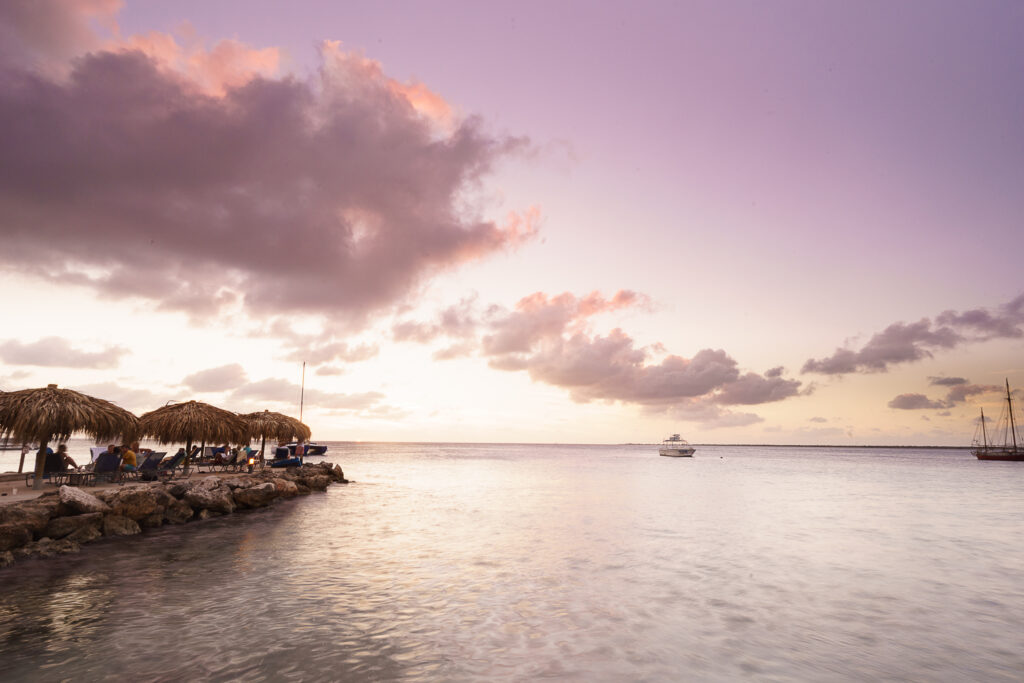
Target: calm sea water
(585,563)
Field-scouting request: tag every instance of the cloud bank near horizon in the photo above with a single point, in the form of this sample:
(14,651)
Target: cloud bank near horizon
(549,338)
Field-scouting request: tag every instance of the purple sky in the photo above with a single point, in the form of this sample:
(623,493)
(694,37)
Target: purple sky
(766,221)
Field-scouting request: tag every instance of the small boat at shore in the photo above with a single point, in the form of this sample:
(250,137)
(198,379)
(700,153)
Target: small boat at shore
(676,446)
(311,448)
(1011,447)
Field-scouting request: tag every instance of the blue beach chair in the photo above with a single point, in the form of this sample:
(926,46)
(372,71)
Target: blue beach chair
(107,468)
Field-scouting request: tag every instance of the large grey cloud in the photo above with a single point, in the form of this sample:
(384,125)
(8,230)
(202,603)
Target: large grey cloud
(914,402)
(946,381)
(58,352)
(333,196)
(959,391)
(907,342)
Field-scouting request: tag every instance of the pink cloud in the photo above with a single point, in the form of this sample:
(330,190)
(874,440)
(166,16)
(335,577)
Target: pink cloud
(539,316)
(315,354)
(228,64)
(223,378)
(333,197)
(43,35)
(58,352)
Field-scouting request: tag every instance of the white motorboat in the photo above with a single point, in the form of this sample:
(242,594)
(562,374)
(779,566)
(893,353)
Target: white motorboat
(676,446)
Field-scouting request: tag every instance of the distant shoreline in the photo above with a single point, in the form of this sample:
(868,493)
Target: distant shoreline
(812,445)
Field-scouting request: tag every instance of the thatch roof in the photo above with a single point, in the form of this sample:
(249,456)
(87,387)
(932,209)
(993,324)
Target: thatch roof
(193,421)
(43,415)
(270,425)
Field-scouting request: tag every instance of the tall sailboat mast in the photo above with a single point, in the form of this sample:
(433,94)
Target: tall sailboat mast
(302,392)
(984,437)
(1009,407)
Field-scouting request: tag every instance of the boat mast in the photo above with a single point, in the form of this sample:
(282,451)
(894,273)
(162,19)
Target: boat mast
(984,437)
(1009,407)
(302,393)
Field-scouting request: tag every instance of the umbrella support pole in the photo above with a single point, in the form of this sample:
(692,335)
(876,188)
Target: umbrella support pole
(37,482)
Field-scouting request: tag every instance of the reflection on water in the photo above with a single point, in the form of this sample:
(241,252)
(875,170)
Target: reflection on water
(578,563)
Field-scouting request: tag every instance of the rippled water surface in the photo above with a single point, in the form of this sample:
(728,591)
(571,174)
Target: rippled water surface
(589,563)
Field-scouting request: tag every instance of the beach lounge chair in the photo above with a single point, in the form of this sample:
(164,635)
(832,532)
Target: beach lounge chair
(223,462)
(54,470)
(107,468)
(146,470)
(174,468)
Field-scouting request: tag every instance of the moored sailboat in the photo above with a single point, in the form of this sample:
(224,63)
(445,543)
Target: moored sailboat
(1012,446)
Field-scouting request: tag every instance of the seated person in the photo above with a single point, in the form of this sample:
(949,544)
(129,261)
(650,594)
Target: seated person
(53,463)
(128,461)
(109,460)
(65,459)
(169,459)
(221,454)
(110,451)
(281,452)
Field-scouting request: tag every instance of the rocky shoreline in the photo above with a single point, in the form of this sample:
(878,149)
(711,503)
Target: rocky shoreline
(58,522)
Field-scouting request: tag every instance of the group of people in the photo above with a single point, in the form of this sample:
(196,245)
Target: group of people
(128,455)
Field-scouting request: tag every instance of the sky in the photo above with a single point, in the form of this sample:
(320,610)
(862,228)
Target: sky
(746,222)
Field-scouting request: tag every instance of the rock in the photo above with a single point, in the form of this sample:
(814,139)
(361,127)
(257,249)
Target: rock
(338,475)
(285,488)
(202,498)
(87,534)
(6,558)
(66,545)
(13,535)
(80,501)
(209,482)
(302,489)
(60,527)
(152,521)
(46,547)
(256,496)
(119,525)
(318,482)
(29,515)
(203,514)
(177,512)
(135,502)
(178,489)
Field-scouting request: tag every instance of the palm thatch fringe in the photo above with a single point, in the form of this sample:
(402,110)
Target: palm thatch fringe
(193,421)
(270,425)
(44,415)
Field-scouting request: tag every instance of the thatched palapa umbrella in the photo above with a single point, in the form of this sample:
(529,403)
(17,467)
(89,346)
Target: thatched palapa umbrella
(269,425)
(193,421)
(44,415)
